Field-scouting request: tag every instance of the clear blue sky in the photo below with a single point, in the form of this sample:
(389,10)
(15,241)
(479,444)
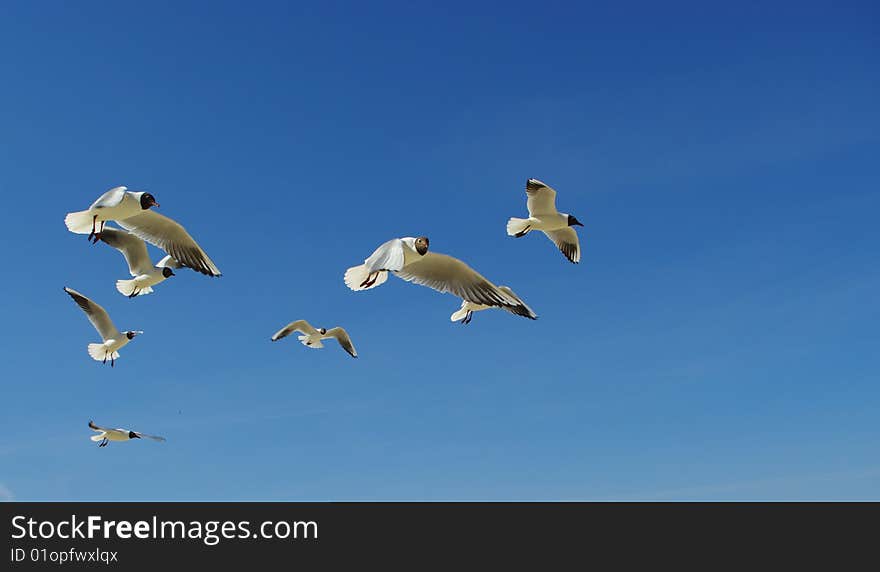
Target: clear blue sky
(719,339)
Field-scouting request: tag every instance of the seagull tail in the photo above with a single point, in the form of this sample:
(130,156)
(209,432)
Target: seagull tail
(459,315)
(98,437)
(304,339)
(99,353)
(517,226)
(79,222)
(357,275)
(128,287)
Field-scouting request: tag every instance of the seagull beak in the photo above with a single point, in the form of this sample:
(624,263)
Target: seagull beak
(578,223)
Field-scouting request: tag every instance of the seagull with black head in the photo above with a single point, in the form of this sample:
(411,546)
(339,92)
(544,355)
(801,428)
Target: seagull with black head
(408,258)
(543,216)
(105,435)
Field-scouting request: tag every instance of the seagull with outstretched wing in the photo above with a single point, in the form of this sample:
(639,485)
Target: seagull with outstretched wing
(543,216)
(311,336)
(105,435)
(112,338)
(146,275)
(408,258)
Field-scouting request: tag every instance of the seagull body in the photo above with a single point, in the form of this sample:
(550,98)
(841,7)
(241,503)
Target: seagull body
(543,216)
(105,435)
(391,256)
(170,236)
(116,204)
(311,337)
(408,258)
(466,312)
(113,339)
(146,275)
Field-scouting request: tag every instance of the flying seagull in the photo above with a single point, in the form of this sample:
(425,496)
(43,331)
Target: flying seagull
(135,252)
(543,216)
(113,338)
(105,435)
(465,314)
(312,338)
(408,258)
(116,204)
(171,237)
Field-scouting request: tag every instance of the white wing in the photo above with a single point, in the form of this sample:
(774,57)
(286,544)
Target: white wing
(132,248)
(297,326)
(389,256)
(542,199)
(447,274)
(169,262)
(171,237)
(566,239)
(111,198)
(342,337)
(97,315)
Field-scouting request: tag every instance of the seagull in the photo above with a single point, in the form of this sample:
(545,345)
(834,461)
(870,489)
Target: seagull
(171,237)
(113,338)
(408,258)
(312,337)
(135,252)
(543,216)
(465,314)
(105,435)
(116,204)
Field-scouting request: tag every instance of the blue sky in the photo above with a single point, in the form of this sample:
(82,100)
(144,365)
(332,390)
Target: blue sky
(718,340)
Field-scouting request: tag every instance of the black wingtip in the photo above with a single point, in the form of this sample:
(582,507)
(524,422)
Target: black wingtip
(534,185)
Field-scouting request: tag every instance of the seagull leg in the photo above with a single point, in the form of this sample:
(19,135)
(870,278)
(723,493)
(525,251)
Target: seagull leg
(91,234)
(98,234)
(523,232)
(371,279)
(105,359)
(133,293)
(112,361)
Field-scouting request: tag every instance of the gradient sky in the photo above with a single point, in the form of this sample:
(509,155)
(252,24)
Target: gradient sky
(719,339)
